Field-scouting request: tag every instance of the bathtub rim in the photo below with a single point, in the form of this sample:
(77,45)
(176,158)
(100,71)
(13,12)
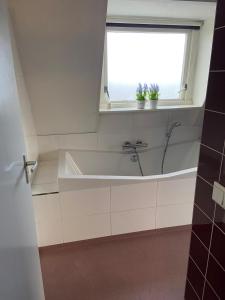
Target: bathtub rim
(62,175)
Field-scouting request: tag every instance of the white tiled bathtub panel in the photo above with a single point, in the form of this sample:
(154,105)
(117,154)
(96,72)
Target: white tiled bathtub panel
(91,213)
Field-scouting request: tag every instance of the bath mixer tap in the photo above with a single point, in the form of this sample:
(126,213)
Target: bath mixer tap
(133,146)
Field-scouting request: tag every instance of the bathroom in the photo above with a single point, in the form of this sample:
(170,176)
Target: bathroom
(111,170)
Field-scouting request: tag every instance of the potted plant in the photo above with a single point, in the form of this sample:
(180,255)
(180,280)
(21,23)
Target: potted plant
(141,95)
(153,95)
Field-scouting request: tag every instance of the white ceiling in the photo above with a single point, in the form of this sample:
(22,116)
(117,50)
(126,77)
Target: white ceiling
(162,9)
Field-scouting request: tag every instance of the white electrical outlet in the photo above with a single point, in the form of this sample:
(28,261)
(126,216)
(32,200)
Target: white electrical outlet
(219,194)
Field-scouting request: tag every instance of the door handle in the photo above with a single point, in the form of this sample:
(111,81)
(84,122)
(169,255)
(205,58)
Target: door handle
(27,164)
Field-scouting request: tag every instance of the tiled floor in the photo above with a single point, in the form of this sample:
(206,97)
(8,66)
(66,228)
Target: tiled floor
(137,267)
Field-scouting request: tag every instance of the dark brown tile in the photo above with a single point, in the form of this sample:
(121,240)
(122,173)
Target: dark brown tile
(202,226)
(195,277)
(220,14)
(189,293)
(222,175)
(213,134)
(216,277)
(209,164)
(153,266)
(198,253)
(220,217)
(203,197)
(218,57)
(218,245)
(215,99)
(209,293)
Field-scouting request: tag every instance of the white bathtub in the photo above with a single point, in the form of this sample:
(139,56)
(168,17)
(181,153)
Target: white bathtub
(102,194)
(94,169)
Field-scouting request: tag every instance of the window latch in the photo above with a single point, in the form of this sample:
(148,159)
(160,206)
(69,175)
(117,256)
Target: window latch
(106,91)
(184,89)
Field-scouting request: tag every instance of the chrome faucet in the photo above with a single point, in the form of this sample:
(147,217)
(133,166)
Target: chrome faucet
(134,146)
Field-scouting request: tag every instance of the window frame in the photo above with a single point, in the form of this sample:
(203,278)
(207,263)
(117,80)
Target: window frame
(189,67)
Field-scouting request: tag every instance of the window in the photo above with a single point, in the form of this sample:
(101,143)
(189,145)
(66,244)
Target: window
(148,55)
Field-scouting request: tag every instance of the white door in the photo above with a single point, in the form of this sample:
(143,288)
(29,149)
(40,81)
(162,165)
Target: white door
(20,274)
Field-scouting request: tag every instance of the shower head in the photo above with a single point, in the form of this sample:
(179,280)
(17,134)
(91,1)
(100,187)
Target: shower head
(177,124)
(171,128)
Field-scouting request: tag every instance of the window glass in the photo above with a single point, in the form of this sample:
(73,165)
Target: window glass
(145,57)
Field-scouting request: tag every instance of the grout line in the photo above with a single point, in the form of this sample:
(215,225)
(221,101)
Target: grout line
(212,289)
(61,220)
(215,111)
(193,288)
(210,244)
(218,263)
(205,214)
(207,248)
(196,266)
(200,241)
(110,208)
(204,276)
(157,196)
(68,133)
(210,254)
(205,180)
(219,228)
(221,165)
(210,148)
(220,27)
(217,71)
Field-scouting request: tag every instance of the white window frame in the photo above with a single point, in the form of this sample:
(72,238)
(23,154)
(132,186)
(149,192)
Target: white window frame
(189,68)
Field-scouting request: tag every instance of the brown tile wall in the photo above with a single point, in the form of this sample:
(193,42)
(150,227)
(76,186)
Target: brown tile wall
(206,269)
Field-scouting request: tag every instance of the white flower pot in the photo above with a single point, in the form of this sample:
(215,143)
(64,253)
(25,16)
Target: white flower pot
(153,104)
(140,104)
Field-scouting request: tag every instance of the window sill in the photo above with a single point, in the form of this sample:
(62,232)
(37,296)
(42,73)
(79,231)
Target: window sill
(159,108)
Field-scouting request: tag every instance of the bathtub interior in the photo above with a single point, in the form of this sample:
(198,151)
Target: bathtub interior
(179,157)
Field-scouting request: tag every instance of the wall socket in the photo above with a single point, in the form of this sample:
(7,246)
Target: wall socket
(219,194)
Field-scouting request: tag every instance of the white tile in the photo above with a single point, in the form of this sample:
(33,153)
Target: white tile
(47,188)
(174,215)
(47,143)
(47,207)
(133,221)
(133,196)
(49,232)
(176,191)
(193,117)
(47,172)
(113,141)
(78,141)
(154,137)
(186,133)
(85,202)
(86,227)
(150,120)
(115,123)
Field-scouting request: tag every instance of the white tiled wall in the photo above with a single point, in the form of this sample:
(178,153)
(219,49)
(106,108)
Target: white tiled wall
(48,218)
(113,129)
(85,214)
(133,220)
